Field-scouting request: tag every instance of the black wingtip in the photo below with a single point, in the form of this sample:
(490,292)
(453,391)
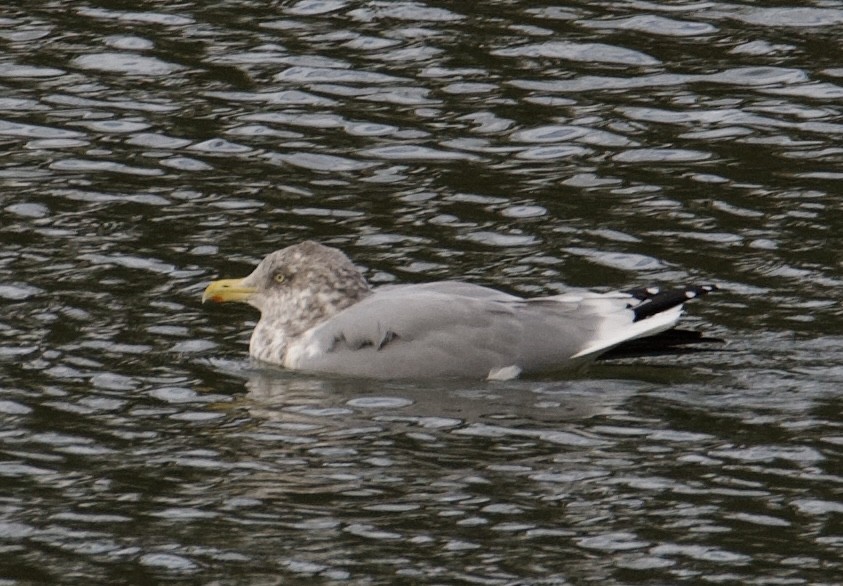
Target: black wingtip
(654,300)
(671,342)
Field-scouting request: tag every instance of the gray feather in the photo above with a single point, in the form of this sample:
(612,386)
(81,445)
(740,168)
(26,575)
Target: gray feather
(446,329)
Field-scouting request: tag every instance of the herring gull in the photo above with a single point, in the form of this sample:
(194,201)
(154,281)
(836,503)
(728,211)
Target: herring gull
(318,314)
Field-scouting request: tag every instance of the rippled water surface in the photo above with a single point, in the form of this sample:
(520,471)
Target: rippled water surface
(148,147)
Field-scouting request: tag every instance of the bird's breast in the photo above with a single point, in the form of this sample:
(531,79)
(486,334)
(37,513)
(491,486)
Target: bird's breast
(300,350)
(268,344)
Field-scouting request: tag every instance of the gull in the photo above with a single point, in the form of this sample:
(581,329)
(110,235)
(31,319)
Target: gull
(318,314)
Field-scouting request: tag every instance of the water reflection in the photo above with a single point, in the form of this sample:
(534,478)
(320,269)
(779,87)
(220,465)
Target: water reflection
(272,394)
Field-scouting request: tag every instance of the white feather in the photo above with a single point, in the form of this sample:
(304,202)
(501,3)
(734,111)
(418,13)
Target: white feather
(613,333)
(302,349)
(504,373)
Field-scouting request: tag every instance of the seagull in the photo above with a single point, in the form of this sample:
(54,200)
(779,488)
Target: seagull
(320,315)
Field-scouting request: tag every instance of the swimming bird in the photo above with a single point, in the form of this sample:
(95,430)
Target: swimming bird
(319,314)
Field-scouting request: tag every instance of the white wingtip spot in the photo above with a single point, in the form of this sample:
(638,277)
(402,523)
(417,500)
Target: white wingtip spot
(690,294)
(653,290)
(504,373)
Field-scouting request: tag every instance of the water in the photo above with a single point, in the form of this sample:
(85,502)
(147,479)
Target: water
(150,147)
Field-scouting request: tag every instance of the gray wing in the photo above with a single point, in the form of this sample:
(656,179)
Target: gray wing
(450,329)
(455,288)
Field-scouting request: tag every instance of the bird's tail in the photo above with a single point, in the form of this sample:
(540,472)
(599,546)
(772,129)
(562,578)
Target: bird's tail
(654,300)
(670,342)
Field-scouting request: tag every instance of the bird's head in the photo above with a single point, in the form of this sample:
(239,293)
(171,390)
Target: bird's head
(305,282)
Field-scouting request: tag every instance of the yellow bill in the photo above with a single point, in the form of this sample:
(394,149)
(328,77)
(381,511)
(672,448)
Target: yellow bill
(227,290)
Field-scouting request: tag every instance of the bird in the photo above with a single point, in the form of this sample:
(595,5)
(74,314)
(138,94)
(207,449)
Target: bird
(318,314)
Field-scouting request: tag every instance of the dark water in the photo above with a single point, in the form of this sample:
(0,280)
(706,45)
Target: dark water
(148,147)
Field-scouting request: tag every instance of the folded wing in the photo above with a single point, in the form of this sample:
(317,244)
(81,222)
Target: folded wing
(464,330)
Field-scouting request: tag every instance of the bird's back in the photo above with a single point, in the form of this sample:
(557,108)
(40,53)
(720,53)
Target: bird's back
(454,329)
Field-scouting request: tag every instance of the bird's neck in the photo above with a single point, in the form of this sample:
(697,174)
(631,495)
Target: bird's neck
(268,343)
(279,328)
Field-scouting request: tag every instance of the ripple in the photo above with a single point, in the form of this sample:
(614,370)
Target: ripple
(153,105)
(20,104)
(221,146)
(167,560)
(316,7)
(497,239)
(322,411)
(587,83)
(319,162)
(664,155)
(379,402)
(18,291)
(589,180)
(325,75)
(753,76)
(406,55)
(556,437)
(371,532)
(249,58)
(392,507)
(55,143)
(185,164)
(294,97)
(28,210)
(612,542)
(306,120)
(366,43)
(10,469)
(126,64)
(761,48)
(407,11)
(97,197)
(13,70)
(680,116)
(13,408)
(326,213)
(139,17)
(131,262)
(816,91)
(85,165)
(524,211)
(655,25)
(817,507)
(763,520)
(128,43)
(369,129)
(116,126)
(259,130)
(32,131)
(549,134)
(588,52)
(190,346)
(790,16)
(469,88)
(770,453)
(113,382)
(417,153)
(646,563)
(158,141)
(701,553)
(618,260)
(551,152)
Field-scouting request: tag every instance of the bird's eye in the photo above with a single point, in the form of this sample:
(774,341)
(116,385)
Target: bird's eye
(280,278)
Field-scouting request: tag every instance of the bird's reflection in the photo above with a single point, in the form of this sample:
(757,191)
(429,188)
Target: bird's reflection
(283,396)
